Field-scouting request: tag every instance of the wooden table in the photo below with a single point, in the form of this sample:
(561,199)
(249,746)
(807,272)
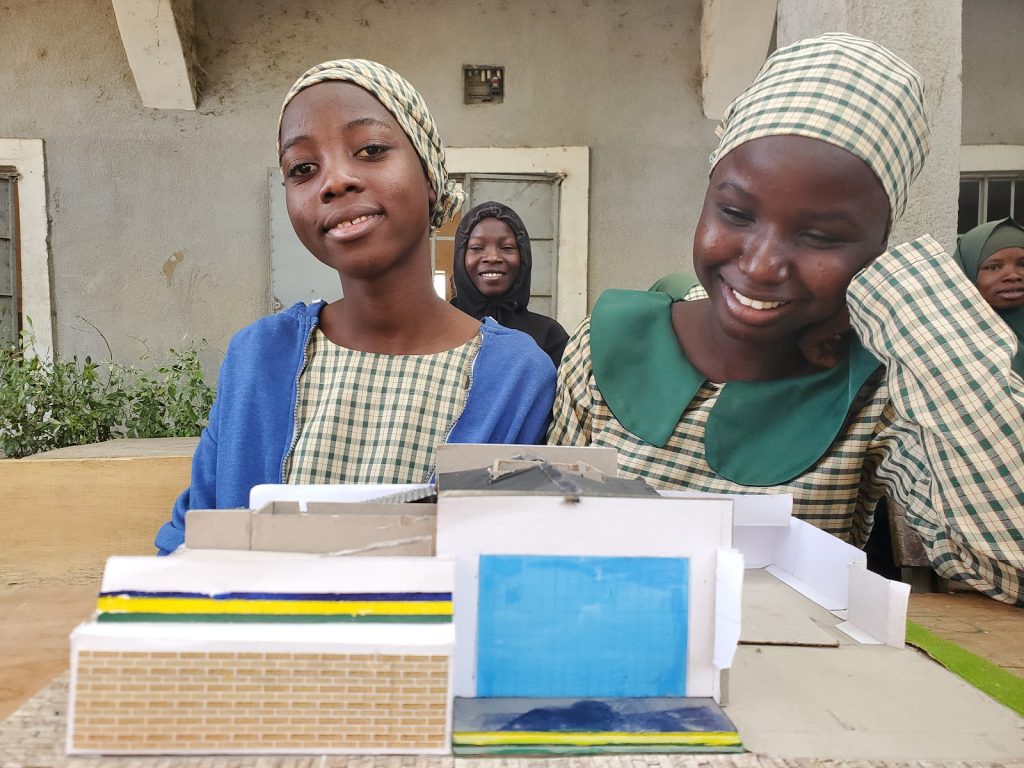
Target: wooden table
(44,593)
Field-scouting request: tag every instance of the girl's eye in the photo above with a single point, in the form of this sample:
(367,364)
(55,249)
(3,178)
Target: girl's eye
(508,248)
(373,150)
(300,169)
(736,215)
(821,239)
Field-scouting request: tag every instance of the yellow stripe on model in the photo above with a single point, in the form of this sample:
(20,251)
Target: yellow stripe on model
(599,738)
(287,607)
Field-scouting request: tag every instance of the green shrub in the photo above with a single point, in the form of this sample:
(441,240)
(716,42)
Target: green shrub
(47,404)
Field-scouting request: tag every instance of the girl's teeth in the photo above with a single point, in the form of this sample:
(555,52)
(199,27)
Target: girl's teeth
(353,221)
(754,303)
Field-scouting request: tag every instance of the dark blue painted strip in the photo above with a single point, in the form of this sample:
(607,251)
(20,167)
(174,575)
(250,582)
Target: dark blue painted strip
(334,596)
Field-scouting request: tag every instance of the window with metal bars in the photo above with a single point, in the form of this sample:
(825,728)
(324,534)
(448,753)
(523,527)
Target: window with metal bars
(987,197)
(10,304)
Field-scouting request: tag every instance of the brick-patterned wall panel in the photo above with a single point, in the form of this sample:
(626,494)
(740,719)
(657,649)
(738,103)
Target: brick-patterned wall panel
(240,701)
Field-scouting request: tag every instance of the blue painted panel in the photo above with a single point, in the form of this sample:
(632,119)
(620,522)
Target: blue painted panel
(582,626)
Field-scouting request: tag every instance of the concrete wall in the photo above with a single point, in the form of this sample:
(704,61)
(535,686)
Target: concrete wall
(159,218)
(927,34)
(993,40)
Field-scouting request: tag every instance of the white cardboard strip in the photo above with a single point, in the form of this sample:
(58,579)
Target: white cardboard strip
(760,522)
(816,564)
(878,606)
(309,573)
(728,606)
(748,509)
(263,494)
(298,638)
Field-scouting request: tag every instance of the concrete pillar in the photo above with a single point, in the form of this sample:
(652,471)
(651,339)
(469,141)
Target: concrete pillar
(927,33)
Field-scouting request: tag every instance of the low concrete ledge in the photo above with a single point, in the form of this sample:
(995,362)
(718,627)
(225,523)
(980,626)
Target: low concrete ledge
(65,512)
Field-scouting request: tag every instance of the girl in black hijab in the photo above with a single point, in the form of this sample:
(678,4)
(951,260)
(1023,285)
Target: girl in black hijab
(492,275)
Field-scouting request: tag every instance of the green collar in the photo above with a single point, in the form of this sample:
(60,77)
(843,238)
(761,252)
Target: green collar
(756,433)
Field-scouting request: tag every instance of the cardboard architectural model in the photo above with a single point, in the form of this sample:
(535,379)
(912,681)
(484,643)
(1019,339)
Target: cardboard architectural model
(547,623)
(264,654)
(590,624)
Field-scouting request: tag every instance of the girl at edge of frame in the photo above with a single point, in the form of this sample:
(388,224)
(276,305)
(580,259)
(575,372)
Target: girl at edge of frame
(493,267)
(364,388)
(992,257)
(755,382)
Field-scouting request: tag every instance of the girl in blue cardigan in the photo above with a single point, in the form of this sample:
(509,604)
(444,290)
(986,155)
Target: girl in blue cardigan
(364,388)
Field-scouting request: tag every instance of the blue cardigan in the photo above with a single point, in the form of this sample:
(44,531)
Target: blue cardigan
(252,421)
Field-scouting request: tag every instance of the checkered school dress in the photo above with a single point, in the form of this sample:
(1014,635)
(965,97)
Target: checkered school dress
(940,431)
(365,417)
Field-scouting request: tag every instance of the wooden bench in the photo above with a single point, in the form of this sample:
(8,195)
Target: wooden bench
(66,511)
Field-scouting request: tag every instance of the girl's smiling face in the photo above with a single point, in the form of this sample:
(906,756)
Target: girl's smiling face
(492,257)
(787,222)
(356,192)
(1001,279)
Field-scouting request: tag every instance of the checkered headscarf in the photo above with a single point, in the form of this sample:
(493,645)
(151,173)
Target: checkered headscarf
(408,108)
(843,90)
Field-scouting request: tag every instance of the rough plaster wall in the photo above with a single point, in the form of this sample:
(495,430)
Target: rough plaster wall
(154,216)
(620,77)
(993,108)
(927,34)
(160,218)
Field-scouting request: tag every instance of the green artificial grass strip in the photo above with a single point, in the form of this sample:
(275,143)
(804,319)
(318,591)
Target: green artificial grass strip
(1002,685)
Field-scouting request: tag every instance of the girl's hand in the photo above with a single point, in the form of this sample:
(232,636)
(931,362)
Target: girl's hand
(824,343)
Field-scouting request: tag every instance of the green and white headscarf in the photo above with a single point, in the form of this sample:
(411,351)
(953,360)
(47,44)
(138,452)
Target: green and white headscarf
(974,249)
(408,108)
(843,90)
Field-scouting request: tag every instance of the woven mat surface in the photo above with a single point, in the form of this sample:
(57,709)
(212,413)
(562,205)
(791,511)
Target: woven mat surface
(33,737)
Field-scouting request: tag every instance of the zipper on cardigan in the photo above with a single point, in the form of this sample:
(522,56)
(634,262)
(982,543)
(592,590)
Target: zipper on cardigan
(431,479)
(295,410)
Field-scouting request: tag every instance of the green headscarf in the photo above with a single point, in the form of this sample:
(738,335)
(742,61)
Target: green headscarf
(972,251)
(843,90)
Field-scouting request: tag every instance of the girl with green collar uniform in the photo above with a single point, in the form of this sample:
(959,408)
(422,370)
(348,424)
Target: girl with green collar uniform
(811,360)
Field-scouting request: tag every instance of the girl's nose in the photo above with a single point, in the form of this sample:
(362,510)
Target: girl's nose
(338,178)
(764,259)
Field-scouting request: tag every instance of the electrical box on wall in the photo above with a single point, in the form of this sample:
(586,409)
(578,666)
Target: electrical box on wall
(483,84)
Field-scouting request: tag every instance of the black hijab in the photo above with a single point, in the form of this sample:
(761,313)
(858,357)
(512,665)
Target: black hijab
(467,296)
(509,309)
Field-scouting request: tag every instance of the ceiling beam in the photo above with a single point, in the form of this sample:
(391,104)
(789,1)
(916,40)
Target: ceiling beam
(157,37)
(734,39)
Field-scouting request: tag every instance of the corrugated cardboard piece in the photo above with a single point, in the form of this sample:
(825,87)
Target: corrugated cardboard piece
(361,528)
(460,457)
(347,520)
